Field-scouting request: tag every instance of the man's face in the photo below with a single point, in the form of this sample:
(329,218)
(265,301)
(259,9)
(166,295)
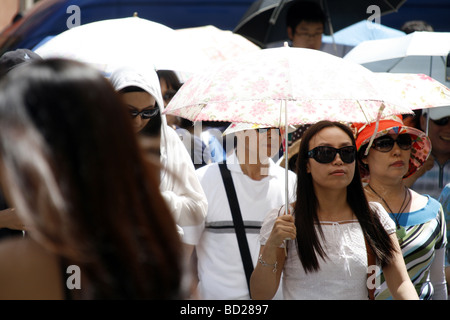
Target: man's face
(439,136)
(259,144)
(306,35)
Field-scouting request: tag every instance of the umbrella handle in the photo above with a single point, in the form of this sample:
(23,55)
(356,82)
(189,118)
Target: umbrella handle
(286,164)
(286,157)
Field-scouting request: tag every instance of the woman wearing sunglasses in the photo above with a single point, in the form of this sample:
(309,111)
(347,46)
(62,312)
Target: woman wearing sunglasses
(321,248)
(141,91)
(396,152)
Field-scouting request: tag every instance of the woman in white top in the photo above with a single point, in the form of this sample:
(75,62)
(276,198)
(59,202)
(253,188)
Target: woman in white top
(320,249)
(141,91)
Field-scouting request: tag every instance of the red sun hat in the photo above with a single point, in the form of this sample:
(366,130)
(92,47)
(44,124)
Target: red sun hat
(421,144)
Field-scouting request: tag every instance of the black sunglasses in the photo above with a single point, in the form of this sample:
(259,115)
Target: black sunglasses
(324,154)
(442,121)
(145,114)
(264,130)
(386,143)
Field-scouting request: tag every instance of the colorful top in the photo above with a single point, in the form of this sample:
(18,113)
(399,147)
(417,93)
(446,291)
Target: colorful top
(425,233)
(444,199)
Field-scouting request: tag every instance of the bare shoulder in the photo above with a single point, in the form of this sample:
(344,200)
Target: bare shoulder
(28,271)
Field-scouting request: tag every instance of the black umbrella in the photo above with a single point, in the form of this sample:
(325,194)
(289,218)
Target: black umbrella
(265,20)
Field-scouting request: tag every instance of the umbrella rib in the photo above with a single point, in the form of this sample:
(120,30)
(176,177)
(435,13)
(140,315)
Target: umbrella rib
(362,110)
(273,19)
(390,5)
(394,65)
(431,64)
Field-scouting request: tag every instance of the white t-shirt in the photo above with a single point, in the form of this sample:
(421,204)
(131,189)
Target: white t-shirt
(220,269)
(343,275)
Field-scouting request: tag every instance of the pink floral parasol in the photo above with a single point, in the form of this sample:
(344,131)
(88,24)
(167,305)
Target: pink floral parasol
(285,86)
(271,85)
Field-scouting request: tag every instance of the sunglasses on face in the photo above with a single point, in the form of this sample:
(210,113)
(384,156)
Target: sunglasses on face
(324,154)
(264,130)
(145,114)
(386,143)
(441,122)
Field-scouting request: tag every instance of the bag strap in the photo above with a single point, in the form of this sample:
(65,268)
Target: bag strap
(237,221)
(371,260)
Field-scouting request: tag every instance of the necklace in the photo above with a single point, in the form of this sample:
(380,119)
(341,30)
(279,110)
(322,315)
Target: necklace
(401,232)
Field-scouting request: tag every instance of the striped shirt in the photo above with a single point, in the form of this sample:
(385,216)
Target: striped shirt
(425,233)
(444,199)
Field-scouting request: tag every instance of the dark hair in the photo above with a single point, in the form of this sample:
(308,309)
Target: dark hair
(304,11)
(170,77)
(71,164)
(416,25)
(305,210)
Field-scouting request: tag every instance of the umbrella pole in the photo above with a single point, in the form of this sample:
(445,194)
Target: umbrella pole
(286,165)
(286,157)
(330,25)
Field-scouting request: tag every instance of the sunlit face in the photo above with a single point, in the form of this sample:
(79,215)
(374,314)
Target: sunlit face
(337,173)
(259,144)
(306,35)
(440,138)
(393,164)
(139,101)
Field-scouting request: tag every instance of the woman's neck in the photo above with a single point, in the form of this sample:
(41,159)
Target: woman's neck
(333,205)
(395,198)
(388,190)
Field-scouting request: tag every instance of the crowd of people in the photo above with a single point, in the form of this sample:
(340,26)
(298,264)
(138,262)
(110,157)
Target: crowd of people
(95,177)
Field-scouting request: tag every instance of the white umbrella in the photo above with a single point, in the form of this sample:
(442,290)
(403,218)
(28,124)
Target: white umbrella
(217,44)
(362,31)
(284,86)
(261,86)
(109,44)
(418,52)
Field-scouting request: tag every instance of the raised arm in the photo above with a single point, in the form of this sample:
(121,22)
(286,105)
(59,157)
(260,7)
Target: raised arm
(266,276)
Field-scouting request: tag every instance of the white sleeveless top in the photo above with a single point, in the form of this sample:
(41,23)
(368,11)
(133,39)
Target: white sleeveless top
(343,274)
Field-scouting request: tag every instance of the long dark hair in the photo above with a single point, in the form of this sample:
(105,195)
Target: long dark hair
(305,210)
(71,164)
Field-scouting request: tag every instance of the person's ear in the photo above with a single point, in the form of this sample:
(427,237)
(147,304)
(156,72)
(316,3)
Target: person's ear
(365,162)
(290,33)
(423,123)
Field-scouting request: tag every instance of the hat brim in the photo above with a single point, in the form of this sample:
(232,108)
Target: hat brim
(421,146)
(437,113)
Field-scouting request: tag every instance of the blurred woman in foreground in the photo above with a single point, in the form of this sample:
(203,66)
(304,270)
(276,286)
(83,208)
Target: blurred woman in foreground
(70,163)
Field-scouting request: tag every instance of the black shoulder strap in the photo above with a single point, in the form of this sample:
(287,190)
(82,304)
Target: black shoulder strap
(237,221)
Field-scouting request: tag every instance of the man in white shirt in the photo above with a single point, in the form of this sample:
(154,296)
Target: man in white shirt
(260,186)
